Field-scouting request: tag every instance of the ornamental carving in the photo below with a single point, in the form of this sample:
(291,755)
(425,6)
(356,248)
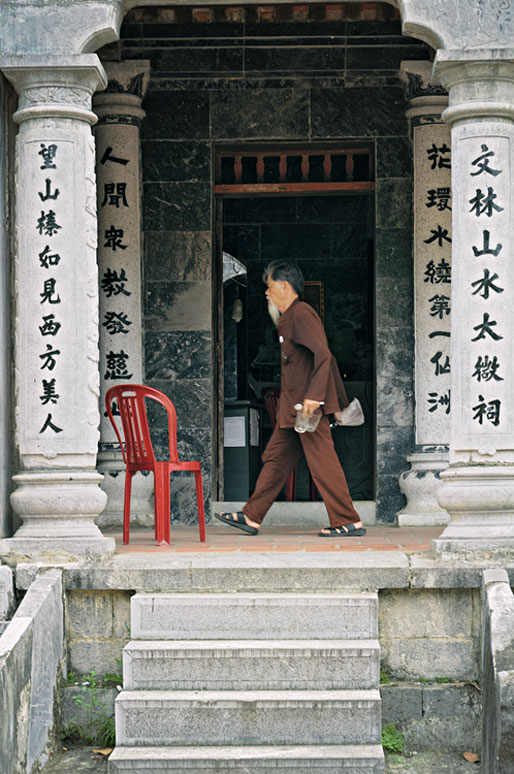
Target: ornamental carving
(119,118)
(56,95)
(134,86)
(416,88)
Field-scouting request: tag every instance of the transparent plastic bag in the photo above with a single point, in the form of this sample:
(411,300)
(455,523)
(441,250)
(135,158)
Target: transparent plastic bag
(351,416)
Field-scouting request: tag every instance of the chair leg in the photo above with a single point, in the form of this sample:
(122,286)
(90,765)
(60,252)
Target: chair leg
(162,505)
(199,500)
(126,508)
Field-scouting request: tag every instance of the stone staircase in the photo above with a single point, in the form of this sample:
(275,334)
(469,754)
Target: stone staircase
(250,683)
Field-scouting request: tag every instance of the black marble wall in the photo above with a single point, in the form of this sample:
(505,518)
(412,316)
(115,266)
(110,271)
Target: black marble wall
(226,83)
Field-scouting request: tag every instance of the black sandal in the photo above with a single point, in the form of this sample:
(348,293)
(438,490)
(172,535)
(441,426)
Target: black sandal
(239,521)
(345,530)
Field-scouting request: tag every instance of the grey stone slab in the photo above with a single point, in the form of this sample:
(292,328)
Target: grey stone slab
(177,306)
(394,156)
(394,203)
(176,206)
(78,711)
(393,445)
(498,672)
(395,301)
(176,114)
(395,398)
(261,759)
(254,616)
(292,571)
(393,249)
(242,665)
(15,679)
(358,112)
(247,717)
(430,658)
(6,591)
(389,498)
(165,160)
(257,113)
(401,703)
(179,256)
(43,604)
(191,397)
(428,613)
(430,572)
(434,717)
(102,656)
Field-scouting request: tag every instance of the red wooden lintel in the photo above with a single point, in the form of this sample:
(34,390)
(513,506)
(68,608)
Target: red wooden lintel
(281,188)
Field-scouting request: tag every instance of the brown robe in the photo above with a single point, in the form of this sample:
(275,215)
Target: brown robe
(309,370)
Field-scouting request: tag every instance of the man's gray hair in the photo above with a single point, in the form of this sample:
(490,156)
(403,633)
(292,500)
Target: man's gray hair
(285,272)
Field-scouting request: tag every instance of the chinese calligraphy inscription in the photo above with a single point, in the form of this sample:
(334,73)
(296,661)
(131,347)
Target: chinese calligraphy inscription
(433,281)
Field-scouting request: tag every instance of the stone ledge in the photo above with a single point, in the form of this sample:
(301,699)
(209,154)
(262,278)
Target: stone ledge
(360,571)
(234,572)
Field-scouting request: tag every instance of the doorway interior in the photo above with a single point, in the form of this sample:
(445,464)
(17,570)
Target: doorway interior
(327,227)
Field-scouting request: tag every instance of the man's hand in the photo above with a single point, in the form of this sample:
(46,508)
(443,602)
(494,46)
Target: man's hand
(309,407)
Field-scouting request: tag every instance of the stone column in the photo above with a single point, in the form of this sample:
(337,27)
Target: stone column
(478,488)
(57,489)
(119,264)
(432,284)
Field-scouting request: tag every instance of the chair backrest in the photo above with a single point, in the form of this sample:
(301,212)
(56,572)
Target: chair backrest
(138,452)
(270,396)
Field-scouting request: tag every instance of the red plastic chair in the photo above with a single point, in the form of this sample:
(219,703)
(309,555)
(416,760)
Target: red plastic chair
(139,455)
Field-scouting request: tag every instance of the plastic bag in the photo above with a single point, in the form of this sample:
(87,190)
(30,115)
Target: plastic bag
(351,416)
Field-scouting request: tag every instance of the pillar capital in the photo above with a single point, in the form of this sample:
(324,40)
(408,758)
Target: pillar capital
(54,86)
(479,83)
(120,102)
(427,100)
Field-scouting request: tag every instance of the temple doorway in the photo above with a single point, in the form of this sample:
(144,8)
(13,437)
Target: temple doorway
(329,231)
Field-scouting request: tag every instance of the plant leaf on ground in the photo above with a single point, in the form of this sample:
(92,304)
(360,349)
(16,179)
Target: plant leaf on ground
(392,739)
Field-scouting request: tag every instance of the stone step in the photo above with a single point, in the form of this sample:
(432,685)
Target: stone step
(249,616)
(246,664)
(336,759)
(247,717)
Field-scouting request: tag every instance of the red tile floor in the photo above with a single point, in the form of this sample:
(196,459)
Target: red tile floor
(226,539)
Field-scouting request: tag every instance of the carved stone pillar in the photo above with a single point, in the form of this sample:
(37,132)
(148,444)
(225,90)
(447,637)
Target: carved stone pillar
(57,489)
(119,264)
(432,297)
(478,488)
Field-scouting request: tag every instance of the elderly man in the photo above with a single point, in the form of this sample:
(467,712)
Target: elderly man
(309,375)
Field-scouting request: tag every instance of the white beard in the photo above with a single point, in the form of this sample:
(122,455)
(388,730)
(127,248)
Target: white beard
(273,312)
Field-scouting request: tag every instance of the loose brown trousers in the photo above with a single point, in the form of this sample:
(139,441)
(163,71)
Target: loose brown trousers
(281,456)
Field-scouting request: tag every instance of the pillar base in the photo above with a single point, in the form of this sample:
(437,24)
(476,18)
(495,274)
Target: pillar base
(141,502)
(480,501)
(58,509)
(419,485)
(55,550)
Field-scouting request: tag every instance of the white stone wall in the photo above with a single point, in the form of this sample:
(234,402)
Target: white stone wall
(4,315)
